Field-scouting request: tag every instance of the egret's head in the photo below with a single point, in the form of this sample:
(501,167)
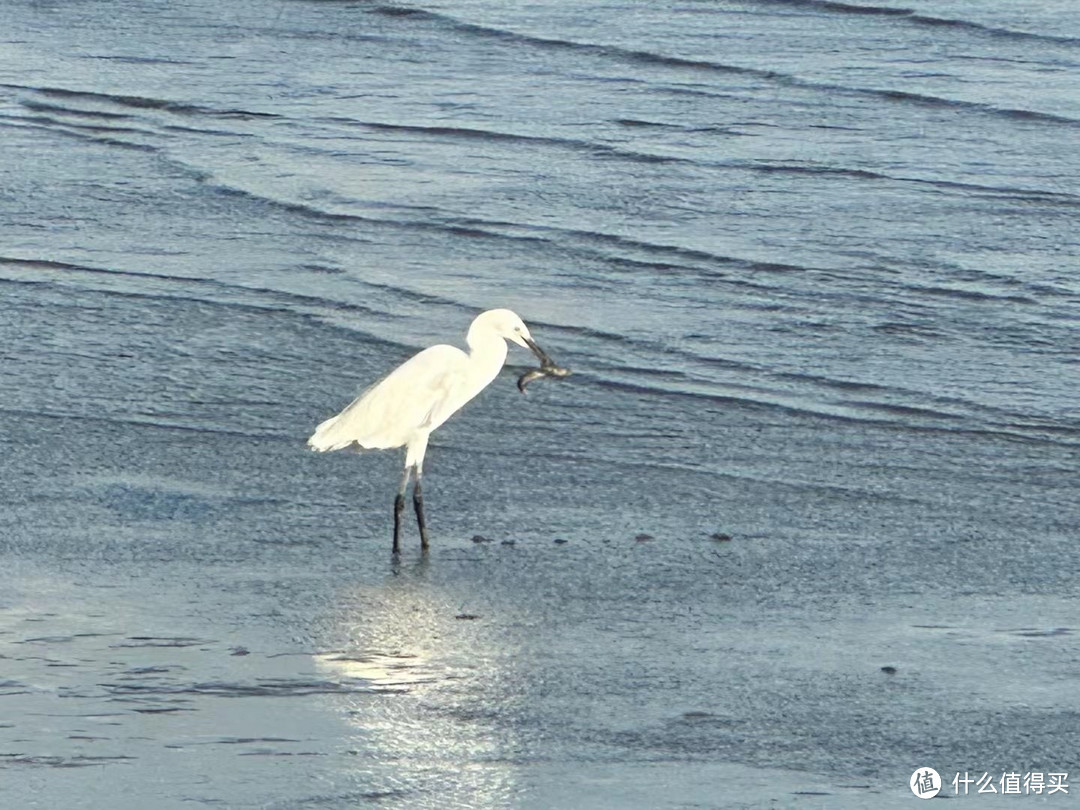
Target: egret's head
(506,324)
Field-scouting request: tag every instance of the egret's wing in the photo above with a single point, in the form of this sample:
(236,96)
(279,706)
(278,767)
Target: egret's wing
(414,395)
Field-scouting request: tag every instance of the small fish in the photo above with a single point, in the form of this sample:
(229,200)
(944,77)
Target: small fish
(546,370)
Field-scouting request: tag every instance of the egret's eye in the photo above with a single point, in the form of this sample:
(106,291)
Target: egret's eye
(517,328)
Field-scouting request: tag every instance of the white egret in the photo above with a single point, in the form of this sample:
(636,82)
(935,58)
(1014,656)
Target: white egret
(404,407)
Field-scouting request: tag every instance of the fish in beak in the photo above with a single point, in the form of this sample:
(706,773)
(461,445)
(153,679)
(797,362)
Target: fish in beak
(547,367)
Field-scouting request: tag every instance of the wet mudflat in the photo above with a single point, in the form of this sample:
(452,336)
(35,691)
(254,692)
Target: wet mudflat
(214,617)
(815,471)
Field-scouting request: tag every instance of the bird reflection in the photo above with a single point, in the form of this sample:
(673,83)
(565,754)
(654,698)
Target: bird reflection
(422,715)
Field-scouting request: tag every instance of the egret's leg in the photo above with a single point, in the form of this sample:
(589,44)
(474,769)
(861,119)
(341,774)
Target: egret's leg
(414,459)
(399,507)
(418,504)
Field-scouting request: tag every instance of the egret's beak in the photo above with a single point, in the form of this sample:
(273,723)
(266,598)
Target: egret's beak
(540,353)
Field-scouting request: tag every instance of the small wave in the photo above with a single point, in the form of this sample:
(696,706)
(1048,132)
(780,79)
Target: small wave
(846,8)
(1033,632)
(83,132)
(452,132)
(894,409)
(246,740)
(402,11)
(137,102)
(65,639)
(626,54)
(44,106)
(954,416)
(491,229)
(672,256)
(840,385)
(969,295)
(917,18)
(160,641)
(817,170)
(268,687)
(638,123)
(637,56)
(9,687)
(277,299)
(92,129)
(467,133)
(60,762)
(1005,193)
(1068,431)
(939,101)
(137,60)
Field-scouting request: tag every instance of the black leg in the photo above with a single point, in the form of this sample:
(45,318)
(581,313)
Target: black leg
(399,507)
(418,505)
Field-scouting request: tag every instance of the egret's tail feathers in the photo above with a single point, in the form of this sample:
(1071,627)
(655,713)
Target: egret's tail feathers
(369,421)
(329,436)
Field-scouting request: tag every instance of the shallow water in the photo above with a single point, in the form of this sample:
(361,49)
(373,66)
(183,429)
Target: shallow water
(813,266)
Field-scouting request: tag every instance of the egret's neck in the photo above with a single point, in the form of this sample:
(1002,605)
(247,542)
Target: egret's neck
(487,353)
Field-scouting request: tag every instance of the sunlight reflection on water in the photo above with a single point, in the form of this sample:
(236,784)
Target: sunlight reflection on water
(424,728)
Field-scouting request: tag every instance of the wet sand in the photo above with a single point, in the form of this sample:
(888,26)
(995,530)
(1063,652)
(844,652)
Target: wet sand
(212,615)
